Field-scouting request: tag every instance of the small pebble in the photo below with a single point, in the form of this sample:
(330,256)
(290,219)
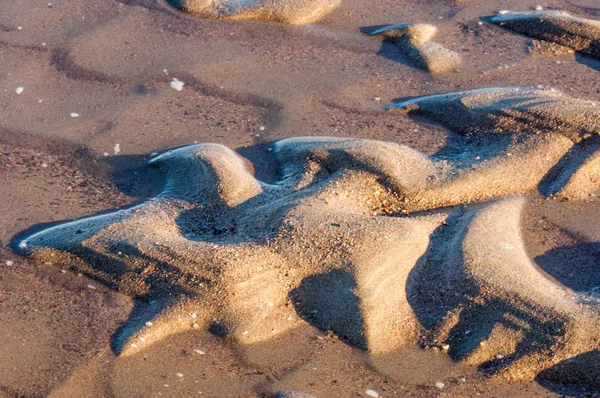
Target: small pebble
(177,84)
(8,263)
(117,149)
(149,323)
(19,90)
(179,374)
(539,8)
(91,287)
(199,352)
(503,12)
(439,384)
(262,128)
(19,28)
(372,393)
(74,114)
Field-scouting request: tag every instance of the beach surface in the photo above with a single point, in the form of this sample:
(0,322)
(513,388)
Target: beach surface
(91,91)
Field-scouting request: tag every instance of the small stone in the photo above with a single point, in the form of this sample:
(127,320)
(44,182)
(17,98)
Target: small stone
(372,393)
(293,394)
(91,287)
(440,385)
(262,128)
(149,323)
(117,149)
(177,84)
(19,90)
(74,114)
(503,12)
(199,352)
(539,8)
(8,263)
(19,28)
(178,374)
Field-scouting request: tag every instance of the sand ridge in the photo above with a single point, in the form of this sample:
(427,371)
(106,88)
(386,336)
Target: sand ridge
(327,244)
(415,40)
(580,34)
(286,11)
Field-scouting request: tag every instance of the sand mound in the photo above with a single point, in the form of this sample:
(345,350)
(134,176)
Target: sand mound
(221,251)
(415,41)
(288,11)
(520,136)
(509,110)
(582,35)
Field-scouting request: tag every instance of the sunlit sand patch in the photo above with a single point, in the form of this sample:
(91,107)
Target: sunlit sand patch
(296,12)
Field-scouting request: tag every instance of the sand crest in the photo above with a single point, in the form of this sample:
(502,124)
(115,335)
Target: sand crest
(580,34)
(295,12)
(415,40)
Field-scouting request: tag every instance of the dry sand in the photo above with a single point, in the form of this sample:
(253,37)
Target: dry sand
(448,247)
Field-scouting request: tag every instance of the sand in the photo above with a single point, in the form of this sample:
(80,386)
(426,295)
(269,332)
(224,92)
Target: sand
(311,214)
(415,40)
